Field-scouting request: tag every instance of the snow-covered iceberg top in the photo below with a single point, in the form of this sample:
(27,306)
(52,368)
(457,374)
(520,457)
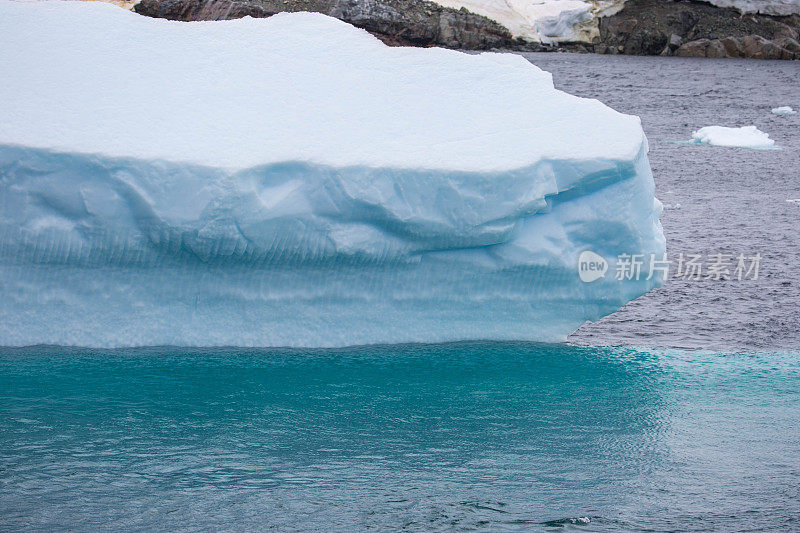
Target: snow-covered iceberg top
(293,87)
(293,181)
(744,137)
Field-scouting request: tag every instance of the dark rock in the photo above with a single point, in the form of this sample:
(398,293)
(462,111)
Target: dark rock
(627,26)
(693,48)
(758,47)
(683,20)
(733,46)
(643,27)
(789,44)
(686,21)
(716,49)
(396,22)
(771,50)
(753,45)
(784,30)
(645,42)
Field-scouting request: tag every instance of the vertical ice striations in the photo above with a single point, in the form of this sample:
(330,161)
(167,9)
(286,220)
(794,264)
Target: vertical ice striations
(293,181)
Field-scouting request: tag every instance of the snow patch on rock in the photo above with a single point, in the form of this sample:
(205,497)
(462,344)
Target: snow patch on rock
(546,21)
(552,21)
(766,7)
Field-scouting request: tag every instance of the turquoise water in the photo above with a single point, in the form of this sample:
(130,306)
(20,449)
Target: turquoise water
(478,436)
(491,437)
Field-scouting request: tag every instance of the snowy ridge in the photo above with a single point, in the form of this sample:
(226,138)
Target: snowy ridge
(401,195)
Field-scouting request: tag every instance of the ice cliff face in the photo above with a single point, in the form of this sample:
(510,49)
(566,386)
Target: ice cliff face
(293,181)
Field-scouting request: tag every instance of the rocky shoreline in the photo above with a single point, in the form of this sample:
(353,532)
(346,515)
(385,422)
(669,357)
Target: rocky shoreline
(396,22)
(696,29)
(685,28)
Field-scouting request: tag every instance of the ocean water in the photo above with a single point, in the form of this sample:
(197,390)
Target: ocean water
(473,436)
(679,413)
(717,200)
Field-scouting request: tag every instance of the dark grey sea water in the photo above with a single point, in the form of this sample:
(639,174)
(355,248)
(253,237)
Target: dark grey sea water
(731,200)
(471,436)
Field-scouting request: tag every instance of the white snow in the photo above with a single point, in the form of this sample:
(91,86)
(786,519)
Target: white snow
(552,21)
(744,137)
(543,20)
(125,85)
(783,110)
(767,7)
(293,181)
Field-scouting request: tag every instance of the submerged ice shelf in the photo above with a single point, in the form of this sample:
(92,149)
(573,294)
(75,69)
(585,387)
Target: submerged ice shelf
(293,181)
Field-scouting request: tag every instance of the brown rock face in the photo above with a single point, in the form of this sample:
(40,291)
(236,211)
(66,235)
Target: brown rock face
(716,49)
(396,22)
(789,44)
(697,29)
(733,47)
(752,46)
(686,28)
(694,48)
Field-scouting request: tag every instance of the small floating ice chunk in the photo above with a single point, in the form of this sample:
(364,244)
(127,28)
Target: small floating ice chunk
(783,110)
(795,201)
(744,137)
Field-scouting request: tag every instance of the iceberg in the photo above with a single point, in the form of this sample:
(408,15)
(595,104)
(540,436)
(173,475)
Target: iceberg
(744,137)
(783,110)
(292,181)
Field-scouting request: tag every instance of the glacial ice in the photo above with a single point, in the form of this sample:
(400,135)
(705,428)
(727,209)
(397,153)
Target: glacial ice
(577,20)
(744,137)
(542,21)
(292,181)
